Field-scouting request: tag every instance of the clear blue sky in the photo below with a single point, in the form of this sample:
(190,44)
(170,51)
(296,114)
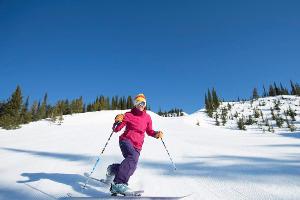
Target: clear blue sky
(170,50)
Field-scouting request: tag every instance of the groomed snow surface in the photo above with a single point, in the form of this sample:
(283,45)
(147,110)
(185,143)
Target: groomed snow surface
(46,161)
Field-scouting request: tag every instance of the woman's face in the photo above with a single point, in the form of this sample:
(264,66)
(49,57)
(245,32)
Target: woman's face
(141,106)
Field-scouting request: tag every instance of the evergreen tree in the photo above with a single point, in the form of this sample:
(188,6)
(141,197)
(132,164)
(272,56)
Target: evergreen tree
(160,113)
(101,103)
(293,87)
(25,114)
(291,113)
(297,89)
(249,121)
(1,108)
(215,99)
(283,90)
(272,91)
(224,116)
(209,105)
(256,113)
(11,117)
(129,102)
(123,103)
(107,103)
(34,111)
(217,121)
(255,94)
(277,105)
(272,113)
(206,102)
(277,92)
(279,121)
(84,108)
(241,124)
(42,112)
(53,114)
(60,119)
(264,93)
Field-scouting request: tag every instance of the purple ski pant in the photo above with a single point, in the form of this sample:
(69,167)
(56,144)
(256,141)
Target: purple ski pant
(127,167)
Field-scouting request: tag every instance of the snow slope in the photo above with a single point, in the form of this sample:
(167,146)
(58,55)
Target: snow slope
(263,107)
(46,161)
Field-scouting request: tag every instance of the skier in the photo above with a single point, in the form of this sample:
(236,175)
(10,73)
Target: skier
(137,122)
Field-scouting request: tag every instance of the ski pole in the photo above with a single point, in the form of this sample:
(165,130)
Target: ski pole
(168,154)
(98,159)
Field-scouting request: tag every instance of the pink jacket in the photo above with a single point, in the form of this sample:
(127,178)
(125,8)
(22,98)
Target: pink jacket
(137,123)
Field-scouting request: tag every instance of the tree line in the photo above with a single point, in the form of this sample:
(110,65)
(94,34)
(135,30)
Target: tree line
(175,112)
(212,100)
(15,111)
(275,90)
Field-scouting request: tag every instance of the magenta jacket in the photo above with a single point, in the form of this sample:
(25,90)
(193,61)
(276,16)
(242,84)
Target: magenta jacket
(137,123)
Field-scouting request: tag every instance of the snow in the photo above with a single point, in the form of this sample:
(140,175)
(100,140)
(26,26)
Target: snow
(46,161)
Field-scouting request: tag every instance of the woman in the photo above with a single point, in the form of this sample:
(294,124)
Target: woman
(137,122)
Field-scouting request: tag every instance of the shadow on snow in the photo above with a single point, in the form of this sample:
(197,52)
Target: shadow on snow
(75,181)
(231,167)
(61,156)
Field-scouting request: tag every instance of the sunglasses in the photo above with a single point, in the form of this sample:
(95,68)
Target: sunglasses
(142,104)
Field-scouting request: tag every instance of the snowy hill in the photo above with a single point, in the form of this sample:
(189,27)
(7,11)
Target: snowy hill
(278,114)
(273,114)
(46,161)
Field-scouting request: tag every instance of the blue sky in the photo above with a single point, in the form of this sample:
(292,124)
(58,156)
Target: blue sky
(172,51)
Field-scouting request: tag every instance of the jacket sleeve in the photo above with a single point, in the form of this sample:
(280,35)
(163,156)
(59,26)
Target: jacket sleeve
(149,129)
(117,127)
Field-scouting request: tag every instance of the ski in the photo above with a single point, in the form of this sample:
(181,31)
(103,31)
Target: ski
(130,197)
(135,193)
(107,183)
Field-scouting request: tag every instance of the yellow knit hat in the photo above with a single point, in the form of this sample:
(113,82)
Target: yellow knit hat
(139,98)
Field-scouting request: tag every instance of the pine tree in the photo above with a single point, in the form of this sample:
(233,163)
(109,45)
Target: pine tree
(241,124)
(297,89)
(283,90)
(264,93)
(84,108)
(293,91)
(66,107)
(209,104)
(215,99)
(256,113)
(277,105)
(123,104)
(291,113)
(217,121)
(206,102)
(129,102)
(255,94)
(53,114)
(12,111)
(60,119)
(2,104)
(34,111)
(279,121)
(249,121)
(25,114)
(277,92)
(224,116)
(43,108)
(272,91)
(160,113)
(272,113)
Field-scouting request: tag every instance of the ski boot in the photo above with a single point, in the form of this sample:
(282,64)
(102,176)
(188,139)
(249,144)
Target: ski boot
(122,189)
